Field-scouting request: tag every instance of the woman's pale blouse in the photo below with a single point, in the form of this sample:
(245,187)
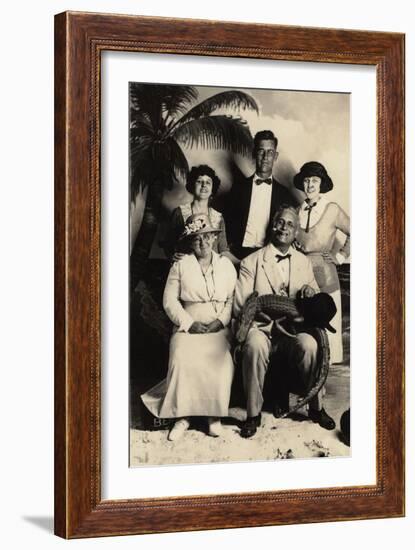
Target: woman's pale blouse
(325,218)
(187,283)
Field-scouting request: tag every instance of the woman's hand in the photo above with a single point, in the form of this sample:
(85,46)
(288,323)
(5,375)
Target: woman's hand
(228,254)
(329,258)
(198,328)
(215,326)
(177,257)
(298,246)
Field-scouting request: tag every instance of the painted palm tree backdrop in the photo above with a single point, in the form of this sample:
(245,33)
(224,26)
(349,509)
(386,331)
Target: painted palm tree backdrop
(165,120)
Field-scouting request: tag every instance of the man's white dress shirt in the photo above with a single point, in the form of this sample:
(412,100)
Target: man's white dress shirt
(259,213)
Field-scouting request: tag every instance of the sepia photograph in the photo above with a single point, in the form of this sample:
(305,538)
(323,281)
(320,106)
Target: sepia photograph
(239,272)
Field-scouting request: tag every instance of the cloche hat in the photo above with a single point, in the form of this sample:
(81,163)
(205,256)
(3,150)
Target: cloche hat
(313,168)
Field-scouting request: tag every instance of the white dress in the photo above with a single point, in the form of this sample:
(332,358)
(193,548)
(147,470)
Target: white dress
(200,369)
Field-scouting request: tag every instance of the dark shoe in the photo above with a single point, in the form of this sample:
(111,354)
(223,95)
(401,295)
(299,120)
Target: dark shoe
(322,418)
(279,411)
(250,426)
(345,427)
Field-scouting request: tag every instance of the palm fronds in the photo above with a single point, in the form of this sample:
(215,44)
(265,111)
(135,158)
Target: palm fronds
(162,121)
(231,99)
(216,132)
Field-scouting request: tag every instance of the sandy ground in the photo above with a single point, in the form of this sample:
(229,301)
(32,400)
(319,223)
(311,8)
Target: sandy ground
(295,437)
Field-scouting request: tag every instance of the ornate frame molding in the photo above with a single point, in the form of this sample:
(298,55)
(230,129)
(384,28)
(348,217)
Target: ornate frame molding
(79,40)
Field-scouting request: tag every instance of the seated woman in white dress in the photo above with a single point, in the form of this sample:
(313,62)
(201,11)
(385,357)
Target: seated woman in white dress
(198,300)
(320,219)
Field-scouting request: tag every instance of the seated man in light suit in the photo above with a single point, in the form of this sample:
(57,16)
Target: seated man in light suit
(277,268)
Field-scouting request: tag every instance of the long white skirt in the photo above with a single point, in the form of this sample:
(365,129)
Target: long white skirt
(199,377)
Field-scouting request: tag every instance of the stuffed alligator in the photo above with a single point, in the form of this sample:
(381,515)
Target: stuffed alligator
(313,313)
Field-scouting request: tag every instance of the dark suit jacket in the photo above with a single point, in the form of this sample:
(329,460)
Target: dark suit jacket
(237,209)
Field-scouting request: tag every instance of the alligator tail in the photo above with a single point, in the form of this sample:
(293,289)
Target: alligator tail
(324,351)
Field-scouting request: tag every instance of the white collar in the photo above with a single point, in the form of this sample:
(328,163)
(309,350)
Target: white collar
(320,205)
(278,251)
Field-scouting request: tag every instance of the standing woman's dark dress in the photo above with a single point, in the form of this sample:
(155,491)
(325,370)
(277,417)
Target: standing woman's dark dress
(203,184)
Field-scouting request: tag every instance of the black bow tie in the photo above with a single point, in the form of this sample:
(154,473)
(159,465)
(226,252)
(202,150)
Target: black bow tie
(268,181)
(310,206)
(280,257)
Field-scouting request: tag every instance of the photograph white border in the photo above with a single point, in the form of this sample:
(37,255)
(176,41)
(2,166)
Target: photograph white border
(120,481)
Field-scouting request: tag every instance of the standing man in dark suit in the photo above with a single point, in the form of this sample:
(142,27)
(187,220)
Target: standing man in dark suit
(253,201)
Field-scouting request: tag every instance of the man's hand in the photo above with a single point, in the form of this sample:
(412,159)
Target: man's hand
(307,291)
(198,328)
(215,326)
(262,317)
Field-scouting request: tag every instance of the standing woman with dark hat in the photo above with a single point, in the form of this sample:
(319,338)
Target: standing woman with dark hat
(319,221)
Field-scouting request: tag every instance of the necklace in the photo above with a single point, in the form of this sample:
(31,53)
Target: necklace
(210,293)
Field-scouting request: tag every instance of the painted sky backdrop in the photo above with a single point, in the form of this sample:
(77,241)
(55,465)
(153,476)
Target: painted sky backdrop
(308,125)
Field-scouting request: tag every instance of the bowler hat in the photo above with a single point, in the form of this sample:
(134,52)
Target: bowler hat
(313,168)
(319,310)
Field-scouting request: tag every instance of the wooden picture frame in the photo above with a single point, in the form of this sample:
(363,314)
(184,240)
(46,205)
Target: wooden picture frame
(79,40)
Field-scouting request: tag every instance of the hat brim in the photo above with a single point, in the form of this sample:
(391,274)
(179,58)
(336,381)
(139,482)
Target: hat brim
(325,186)
(330,328)
(200,232)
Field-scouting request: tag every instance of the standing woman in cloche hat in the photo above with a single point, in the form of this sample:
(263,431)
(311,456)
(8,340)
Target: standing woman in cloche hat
(319,221)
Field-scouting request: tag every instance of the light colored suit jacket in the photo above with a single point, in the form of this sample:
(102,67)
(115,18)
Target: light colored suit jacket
(259,271)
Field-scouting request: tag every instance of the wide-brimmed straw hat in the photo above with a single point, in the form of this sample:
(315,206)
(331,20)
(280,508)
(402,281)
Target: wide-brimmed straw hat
(197,224)
(313,168)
